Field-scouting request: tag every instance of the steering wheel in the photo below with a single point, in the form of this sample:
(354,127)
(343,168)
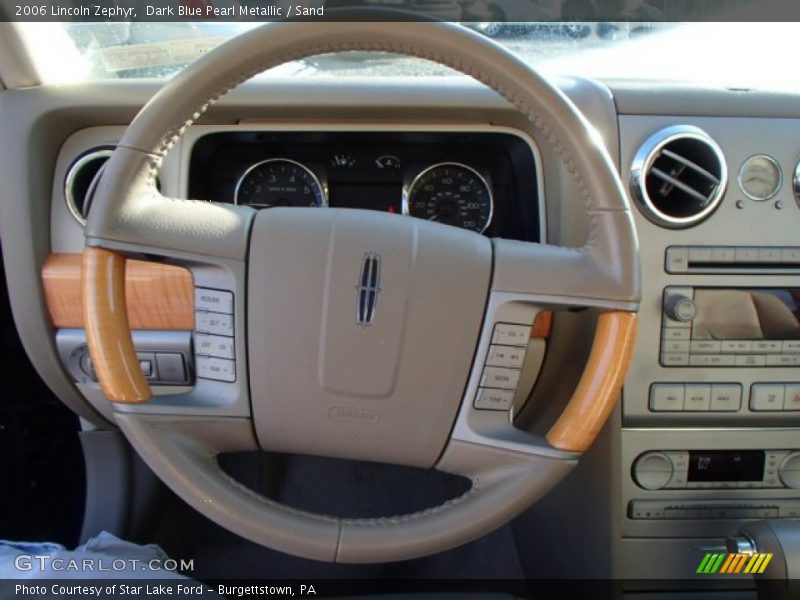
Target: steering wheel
(358,334)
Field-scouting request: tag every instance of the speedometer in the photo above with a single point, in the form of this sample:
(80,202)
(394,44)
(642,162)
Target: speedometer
(451,193)
(279,182)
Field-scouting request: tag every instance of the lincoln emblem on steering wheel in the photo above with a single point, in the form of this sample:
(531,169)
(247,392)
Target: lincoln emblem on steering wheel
(369,287)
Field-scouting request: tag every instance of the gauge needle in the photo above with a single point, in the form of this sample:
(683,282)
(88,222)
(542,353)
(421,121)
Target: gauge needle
(433,218)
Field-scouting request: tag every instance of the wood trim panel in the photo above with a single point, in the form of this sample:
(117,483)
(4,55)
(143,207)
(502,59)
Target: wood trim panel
(107,331)
(600,384)
(159,296)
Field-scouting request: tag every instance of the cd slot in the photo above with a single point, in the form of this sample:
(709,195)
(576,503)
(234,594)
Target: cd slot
(732,259)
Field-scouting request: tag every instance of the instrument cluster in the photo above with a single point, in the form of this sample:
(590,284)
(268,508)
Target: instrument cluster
(483,182)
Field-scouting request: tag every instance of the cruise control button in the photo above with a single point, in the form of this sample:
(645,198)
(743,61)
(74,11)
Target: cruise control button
(213,300)
(766,396)
(216,368)
(509,334)
(505,356)
(497,377)
(214,323)
(490,399)
(213,345)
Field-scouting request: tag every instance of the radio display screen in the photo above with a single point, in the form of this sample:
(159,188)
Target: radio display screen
(726,465)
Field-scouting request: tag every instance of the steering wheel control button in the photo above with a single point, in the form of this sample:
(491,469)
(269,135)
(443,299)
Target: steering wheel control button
(171,368)
(508,334)
(213,301)
(214,323)
(213,345)
(497,377)
(653,470)
(216,368)
(505,356)
(767,397)
(491,399)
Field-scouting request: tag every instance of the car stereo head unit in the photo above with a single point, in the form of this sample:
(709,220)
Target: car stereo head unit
(730,327)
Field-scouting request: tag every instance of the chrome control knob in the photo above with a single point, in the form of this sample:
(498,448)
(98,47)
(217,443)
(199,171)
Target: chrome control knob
(680,308)
(653,470)
(789,471)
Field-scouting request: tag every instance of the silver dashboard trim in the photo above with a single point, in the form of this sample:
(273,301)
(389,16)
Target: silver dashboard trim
(72,173)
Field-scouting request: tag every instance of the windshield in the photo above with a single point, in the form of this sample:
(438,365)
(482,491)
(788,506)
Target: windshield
(741,55)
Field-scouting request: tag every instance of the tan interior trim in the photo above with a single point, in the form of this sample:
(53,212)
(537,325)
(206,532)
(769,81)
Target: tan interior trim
(600,385)
(107,330)
(158,296)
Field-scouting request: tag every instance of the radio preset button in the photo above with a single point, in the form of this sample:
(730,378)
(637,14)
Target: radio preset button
(700,254)
(767,396)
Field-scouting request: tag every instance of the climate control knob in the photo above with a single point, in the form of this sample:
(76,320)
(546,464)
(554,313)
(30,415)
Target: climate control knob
(789,471)
(680,308)
(653,470)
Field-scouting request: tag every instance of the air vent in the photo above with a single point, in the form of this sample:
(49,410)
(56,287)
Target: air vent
(679,176)
(80,179)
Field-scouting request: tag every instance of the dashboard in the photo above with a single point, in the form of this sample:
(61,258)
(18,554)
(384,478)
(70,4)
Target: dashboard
(706,435)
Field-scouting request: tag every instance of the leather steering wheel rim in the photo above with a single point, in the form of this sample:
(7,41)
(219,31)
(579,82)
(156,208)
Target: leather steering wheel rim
(129,215)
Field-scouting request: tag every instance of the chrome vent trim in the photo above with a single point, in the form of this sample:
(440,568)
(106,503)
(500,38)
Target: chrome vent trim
(74,198)
(692,174)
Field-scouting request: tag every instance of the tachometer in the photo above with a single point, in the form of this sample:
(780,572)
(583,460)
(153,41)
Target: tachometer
(453,194)
(279,182)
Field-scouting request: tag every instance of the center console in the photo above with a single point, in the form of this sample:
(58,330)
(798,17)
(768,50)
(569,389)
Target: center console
(710,436)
